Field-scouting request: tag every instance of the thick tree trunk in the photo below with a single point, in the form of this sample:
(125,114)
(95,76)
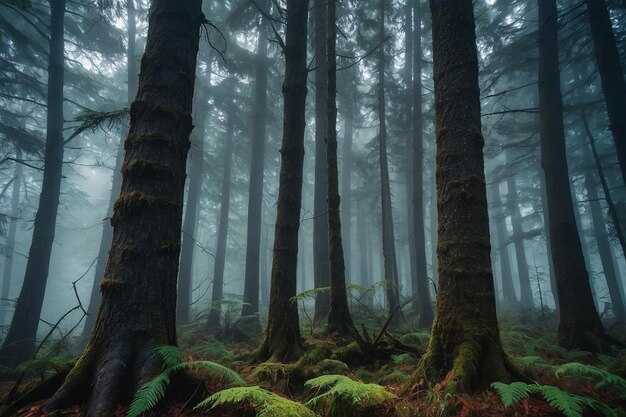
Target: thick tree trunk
(15,213)
(320,215)
(464,349)
(509,299)
(19,344)
(215,310)
(580,327)
(257,168)
(339,318)
(389,249)
(282,336)
(138,308)
(425,308)
(611,74)
(107,229)
(196,172)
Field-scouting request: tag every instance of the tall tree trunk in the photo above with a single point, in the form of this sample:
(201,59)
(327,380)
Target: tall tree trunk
(389,249)
(15,213)
(425,308)
(320,215)
(464,349)
(265,290)
(339,318)
(611,74)
(346,178)
(546,231)
(19,344)
(138,308)
(508,291)
(526,293)
(257,168)
(215,310)
(107,229)
(185,275)
(282,336)
(579,327)
(362,239)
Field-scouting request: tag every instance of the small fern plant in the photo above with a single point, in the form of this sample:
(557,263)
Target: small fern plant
(571,405)
(153,391)
(602,378)
(338,395)
(265,403)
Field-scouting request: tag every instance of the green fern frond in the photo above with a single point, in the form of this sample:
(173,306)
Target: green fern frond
(171,355)
(213,371)
(265,403)
(530,360)
(568,404)
(602,377)
(149,395)
(341,393)
(514,392)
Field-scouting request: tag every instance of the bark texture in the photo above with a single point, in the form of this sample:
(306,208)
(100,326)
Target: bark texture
(138,308)
(579,327)
(20,342)
(464,350)
(282,336)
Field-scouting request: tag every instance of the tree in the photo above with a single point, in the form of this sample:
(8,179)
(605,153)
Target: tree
(508,292)
(138,308)
(464,349)
(339,318)
(282,334)
(19,344)
(255,193)
(580,326)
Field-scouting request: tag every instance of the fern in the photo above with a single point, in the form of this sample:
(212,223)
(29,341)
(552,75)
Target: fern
(338,394)
(580,371)
(153,391)
(571,405)
(265,403)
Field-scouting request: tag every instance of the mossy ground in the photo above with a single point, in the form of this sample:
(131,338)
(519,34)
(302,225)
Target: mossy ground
(530,348)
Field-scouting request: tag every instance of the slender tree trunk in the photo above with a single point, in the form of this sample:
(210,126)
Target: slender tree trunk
(346,178)
(508,291)
(546,228)
(215,310)
(611,74)
(320,216)
(282,336)
(265,290)
(464,349)
(107,229)
(425,306)
(185,275)
(339,318)
(362,239)
(580,327)
(15,213)
(257,168)
(138,308)
(389,250)
(19,344)
(433,227)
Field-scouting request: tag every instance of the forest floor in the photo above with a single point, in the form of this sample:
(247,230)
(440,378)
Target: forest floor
(349,383)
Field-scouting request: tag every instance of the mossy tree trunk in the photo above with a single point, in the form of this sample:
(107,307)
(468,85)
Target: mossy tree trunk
(257,168)
(107,229)
(215,310)
(611,74)
(464,352)
(19,344)
(282,336)
(339,318)
(580,326)
(138,308)
(321,267)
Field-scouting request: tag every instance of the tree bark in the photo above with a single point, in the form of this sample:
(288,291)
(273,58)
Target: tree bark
(282,336)
(320,216)
(215,311)
(257,168)
(611,74)
(107,229)
(19,344)
(138,308)
(579,327)
(346,178)
(15,214)
(339,318)
(464,350)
